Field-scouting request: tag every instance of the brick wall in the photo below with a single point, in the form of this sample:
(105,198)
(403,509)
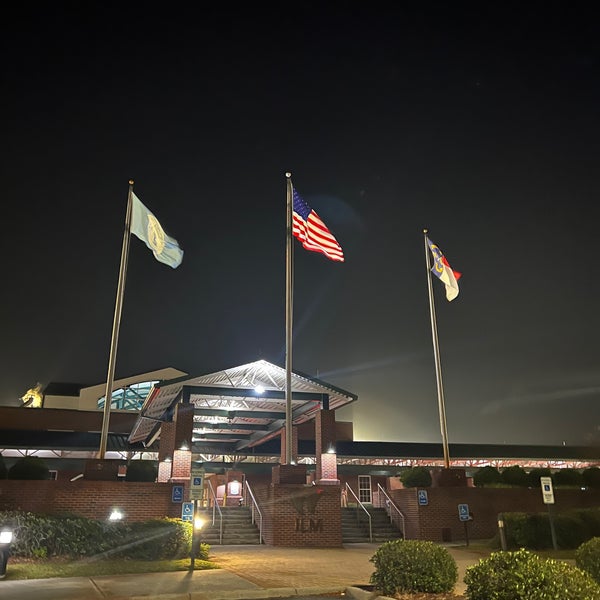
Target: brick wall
(438,520)
(138,501)
(297,515)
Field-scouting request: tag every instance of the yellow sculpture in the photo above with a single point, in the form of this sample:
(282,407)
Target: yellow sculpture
(33,397)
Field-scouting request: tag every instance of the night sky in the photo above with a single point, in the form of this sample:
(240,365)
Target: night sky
(479,122)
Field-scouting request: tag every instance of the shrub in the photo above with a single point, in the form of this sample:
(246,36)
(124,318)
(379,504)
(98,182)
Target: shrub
(73,537)
(533,531)
(515,475)
(524,575)
(587,557)
(157,539)
(29,467)
(38,535)
(591,477)
(487,476)
(141,470)
(409,566)
(568,477)
(534,475)
(416,477)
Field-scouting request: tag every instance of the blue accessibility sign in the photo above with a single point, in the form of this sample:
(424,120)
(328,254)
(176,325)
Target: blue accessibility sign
(423,500)
(177,493)
(463,512)
(187,511)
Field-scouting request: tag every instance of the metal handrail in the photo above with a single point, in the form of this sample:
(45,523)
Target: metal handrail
(359,503)
(254,507)
(216,508)
(390,506)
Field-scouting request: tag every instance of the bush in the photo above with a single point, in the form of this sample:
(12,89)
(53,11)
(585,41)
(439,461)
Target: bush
(66,535)
(157,539)
(587,557)
(568,477)
(486,476)
(535,474)
(533,531)
(524,575)
(416,477)
(409,566)
(141,470)
(591,477)
(73,537)
(515,475)
(29,467)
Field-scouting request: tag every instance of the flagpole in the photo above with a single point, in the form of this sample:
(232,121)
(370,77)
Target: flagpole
(436,353)
(289,298)
(116,324)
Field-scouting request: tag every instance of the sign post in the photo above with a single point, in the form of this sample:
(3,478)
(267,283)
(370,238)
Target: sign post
(548,498)
(465,516)
(196,494)
(197,484)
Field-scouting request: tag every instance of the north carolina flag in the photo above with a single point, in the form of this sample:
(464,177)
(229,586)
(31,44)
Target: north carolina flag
(444,271)
(313,234)
(146,227)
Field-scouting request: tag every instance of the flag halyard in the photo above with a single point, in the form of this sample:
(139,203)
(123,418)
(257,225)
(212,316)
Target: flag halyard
(311,231)
(442,269)
(147,228)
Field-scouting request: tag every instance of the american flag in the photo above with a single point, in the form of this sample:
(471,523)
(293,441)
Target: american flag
(312,232)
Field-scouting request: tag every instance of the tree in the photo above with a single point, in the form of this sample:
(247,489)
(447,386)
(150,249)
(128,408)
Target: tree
(535,474)
(515,475)
(591,477)
(487,476)
(416,477)
(29,467)
(570,477)
(141,470)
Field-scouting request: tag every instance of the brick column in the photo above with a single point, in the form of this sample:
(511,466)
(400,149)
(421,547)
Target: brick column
(174,454)
(325,450)
(182,453)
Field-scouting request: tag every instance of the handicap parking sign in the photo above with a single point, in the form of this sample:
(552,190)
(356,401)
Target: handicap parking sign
(463,512)
(423,500)
(177,493)
(187,511)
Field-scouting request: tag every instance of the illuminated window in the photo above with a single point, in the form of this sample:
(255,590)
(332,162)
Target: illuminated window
(130,397)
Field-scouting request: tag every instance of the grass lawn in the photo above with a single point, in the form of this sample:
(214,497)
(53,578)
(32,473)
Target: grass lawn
(21,568)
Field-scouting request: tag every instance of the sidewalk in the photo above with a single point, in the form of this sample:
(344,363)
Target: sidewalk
(246,572)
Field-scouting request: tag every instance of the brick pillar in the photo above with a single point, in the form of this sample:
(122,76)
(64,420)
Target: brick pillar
(325,451)
(174,453)
(182,453)
(284,445)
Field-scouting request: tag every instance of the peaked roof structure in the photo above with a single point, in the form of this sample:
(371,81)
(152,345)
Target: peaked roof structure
(236,408)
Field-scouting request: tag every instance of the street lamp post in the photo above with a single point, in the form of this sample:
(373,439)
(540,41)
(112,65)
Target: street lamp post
(198,523)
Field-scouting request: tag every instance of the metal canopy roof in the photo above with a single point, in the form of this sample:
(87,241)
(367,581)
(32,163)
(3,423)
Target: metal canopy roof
(236,408)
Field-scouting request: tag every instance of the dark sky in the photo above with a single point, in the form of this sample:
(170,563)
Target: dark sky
(480,122)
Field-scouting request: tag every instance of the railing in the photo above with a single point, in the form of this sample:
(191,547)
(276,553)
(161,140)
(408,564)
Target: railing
(361,505)
(215,508)
(255,509)
(394,513)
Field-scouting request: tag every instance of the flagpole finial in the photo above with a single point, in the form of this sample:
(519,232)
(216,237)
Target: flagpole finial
(131,182)
(288,174)
(425,230)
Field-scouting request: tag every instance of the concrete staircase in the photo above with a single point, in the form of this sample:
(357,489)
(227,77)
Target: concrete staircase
(355,526)
(237,527)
